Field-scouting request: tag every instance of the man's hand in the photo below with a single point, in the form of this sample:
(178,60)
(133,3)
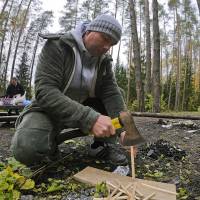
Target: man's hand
(103,127)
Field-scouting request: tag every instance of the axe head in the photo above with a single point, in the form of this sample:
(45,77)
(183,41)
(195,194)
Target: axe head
(132,136)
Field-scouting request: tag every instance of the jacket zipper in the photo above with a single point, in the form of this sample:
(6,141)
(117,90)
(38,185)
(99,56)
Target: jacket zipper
(72,74)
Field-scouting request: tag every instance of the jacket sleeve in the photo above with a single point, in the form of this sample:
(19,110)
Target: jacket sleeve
(48,83)
(110,92)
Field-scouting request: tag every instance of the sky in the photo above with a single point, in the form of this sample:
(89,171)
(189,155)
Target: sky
(56,8)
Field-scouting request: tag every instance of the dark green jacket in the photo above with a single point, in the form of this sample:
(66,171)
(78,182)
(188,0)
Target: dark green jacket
(53,75)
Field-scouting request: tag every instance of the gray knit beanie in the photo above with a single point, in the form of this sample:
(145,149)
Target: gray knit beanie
(106,24)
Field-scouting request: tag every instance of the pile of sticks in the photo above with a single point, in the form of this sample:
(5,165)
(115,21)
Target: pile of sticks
(132,191)
(128,192)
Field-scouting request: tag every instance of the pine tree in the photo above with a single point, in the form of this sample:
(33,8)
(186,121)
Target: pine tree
(99,7)
(69,19)
(23,73)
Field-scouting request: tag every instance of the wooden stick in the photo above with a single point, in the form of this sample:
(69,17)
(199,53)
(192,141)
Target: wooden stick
(126,190)
(137,198)
(122,198)
(139,193)
(122,191)
(132,162)
(133,192)
(150,196)
(159,189)
(113,186)
(113,192)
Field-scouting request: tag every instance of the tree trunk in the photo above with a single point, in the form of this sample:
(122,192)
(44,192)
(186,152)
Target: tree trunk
(170,116)
(19,37)
(177,98)
(148,49)
(33,60)
(5,30)
(4,7)
(2,46)
(140,40)
(88,10)
(184,84)
(189,74)
(95,10)
(10,44)
(129,70)
(170,89)
(136,59)
(156,59)
(116,9)
(173,61)
(119,48)
(199,74)
(198,2)
(166,57)
(76,13)
(161,68)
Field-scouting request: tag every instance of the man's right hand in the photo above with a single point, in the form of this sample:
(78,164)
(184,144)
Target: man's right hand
(103,127)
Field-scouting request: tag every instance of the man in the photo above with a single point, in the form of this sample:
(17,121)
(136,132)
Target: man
(14,89)
(74,88)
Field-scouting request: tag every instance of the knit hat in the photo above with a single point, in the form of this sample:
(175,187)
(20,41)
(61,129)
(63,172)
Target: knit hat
(108,25)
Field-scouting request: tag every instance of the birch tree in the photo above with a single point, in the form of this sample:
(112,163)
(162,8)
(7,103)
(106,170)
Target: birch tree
(19,37)
(15,25)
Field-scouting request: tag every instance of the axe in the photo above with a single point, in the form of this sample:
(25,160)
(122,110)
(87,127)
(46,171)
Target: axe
(132,135)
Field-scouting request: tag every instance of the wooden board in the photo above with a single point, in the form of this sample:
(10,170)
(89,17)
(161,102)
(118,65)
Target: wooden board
(11,118)
(93,176)
(5,107)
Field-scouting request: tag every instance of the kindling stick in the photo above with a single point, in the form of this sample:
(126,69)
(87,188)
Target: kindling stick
(113,192)
(132,162)
(122,191)
(122,198)
(126,190)
(133,192)
(150,196)
(159,189)
(113,186)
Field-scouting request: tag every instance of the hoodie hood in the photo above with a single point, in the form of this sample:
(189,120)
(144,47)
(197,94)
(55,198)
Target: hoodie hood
(78,33)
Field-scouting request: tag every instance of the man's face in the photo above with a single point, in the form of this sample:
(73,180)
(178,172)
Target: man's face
(14,82)
(97,43)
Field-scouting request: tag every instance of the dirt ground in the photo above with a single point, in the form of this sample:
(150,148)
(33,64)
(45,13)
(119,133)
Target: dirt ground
(183,171)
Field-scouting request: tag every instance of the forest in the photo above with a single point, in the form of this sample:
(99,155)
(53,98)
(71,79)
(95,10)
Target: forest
(156,63)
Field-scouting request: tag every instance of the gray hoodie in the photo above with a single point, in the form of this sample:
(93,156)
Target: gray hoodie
(83,83)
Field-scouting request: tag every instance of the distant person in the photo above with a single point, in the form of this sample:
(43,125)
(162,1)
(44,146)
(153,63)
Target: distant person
(14,89)
(75,87)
